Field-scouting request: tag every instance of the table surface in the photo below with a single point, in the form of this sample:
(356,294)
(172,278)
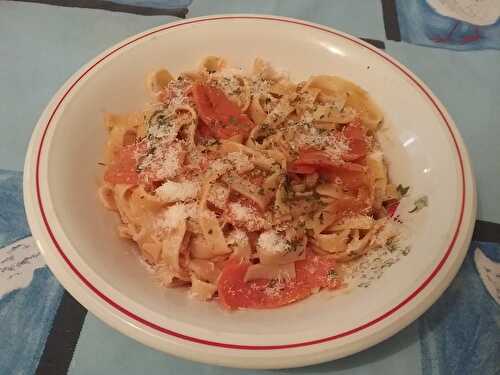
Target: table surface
(454,48)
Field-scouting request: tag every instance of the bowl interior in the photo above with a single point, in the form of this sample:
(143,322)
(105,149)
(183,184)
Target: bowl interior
(417,144)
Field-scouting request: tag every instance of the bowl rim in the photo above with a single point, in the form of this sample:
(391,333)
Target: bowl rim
(33,193)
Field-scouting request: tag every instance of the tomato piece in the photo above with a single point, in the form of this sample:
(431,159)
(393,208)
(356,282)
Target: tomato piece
(123,169)
(391,207)
(349,178)
(314,158)
(203,104)
(321,160)
(301,169)
(203,129)
(357,141)
(351,175)
(318,272)
(310,274)
(229,126)
(221,105)
(222,117)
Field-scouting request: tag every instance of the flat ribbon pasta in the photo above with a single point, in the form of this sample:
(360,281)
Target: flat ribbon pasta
(231,170)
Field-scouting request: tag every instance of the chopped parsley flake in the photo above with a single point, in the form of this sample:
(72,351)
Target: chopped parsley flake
(420,203)
(272,283)
(392,245)
(403,190)
(293,245)
(332,274)
(321,218)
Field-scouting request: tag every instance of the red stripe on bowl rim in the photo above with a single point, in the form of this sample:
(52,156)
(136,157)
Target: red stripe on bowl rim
(179,335)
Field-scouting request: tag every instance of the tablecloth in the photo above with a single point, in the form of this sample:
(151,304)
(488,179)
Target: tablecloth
(453,45)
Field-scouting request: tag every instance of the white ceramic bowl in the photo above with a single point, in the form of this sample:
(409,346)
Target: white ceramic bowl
(78,239)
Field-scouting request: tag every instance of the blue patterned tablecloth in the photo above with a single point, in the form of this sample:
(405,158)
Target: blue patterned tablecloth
(453,45)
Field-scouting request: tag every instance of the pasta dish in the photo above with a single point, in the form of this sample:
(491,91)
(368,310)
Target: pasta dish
(249,188)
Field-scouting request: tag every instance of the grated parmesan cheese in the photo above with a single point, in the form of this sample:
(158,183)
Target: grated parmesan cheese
(167,133)
(234,160)
(273,290)
(240,212)
(337,148)
(169,164)
(164,162)
(259,87)
(177,92)
(275,287)
(303,135)
(228,81)
(272,242)
(245,216)
(195,159)
(175,214)
(172,191)
(237,238)
(219,166)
